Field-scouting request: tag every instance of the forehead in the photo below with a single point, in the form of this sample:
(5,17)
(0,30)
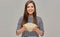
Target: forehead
(30,4)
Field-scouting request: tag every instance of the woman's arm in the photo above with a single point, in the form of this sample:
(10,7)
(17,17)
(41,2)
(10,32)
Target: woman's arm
(39,32)
(21,30)
(40,28)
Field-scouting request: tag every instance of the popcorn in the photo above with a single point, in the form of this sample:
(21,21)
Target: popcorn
(30,26)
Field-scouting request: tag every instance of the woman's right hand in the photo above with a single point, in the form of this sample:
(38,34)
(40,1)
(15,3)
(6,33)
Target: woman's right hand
(21,30)
(25,29)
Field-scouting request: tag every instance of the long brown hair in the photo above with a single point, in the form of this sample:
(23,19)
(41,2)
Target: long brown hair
(25,16)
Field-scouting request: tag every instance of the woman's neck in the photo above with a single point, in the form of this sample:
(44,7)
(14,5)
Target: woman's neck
(30,15)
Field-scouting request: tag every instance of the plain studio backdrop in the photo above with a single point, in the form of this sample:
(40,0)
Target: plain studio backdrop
(12,10)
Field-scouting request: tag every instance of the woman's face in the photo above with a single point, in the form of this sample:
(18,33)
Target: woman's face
(30,8)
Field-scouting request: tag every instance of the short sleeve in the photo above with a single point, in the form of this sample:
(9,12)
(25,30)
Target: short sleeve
(19,23)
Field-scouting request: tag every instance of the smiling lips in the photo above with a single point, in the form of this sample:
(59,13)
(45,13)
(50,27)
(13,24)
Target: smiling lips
(30,10)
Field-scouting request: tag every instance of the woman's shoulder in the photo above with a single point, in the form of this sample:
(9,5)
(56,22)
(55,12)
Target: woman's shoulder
(39,18)
(20,18)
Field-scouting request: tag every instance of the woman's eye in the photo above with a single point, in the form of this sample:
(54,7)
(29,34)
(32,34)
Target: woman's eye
(27,6)
(32,6)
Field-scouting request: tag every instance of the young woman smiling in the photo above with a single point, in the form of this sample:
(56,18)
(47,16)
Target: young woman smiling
(30,16)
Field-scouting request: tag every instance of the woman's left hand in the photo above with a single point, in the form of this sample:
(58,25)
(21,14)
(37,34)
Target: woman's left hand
(37,30)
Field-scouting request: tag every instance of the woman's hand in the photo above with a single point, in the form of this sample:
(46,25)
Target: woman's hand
(25,29)
(35,28)
(38,31)
(21,30)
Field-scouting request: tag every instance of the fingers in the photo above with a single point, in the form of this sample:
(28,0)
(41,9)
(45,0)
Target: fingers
(25,27)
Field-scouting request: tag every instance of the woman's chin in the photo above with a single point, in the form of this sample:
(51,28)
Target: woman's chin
(30,13)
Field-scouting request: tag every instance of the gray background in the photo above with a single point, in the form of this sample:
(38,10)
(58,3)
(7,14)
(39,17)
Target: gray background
(11,10)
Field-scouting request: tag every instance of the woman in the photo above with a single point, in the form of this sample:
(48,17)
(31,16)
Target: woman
(30,16)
